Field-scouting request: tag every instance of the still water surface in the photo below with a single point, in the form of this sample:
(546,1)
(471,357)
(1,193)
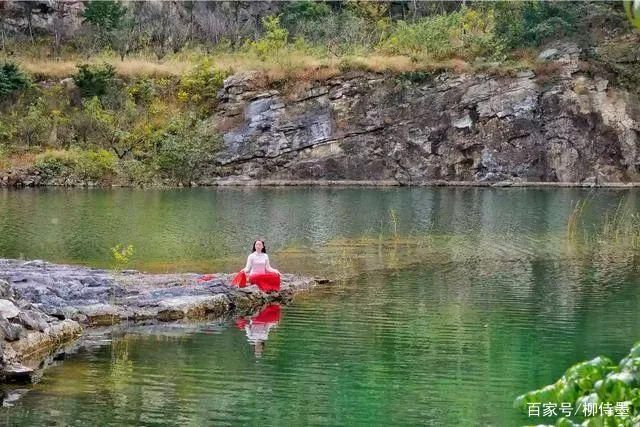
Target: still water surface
(451,303)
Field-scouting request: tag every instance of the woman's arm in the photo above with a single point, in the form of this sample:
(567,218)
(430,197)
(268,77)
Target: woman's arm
(247,268)
(269,269)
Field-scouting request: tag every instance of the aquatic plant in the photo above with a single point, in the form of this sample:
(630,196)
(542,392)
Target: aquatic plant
(618,233)
(393,220)
(573,222)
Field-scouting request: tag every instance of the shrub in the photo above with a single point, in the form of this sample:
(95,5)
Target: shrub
(95,165)
(54,163)
(186,146)
(466,33)
(135,172)
(85,165)
(12,79)
(299,11)
(530,23)
(4,161)
(598,381)
(201,84)
(33,127)
(95,80)
(339,33)
(273,40)
(104,14)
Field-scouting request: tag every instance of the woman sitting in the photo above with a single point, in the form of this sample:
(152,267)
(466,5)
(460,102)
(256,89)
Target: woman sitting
(259,271)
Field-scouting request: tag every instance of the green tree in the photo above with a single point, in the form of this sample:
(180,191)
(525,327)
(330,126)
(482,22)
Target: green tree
(114,128)
(12,79)
(185,147)
(106,17)
(104,14)
(530,23)
(273,40)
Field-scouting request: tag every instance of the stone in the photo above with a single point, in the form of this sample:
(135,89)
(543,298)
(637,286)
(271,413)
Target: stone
(70,292)
(6,291)
(10,331)
(8,309)
(18,373)
(548,54)
(9,396)
(462,122)
(34,320)
(100,314)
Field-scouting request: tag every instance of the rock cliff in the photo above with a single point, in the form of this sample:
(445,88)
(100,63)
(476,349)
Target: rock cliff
(419,128)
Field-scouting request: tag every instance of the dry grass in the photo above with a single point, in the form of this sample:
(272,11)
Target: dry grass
(46,69)
(20,160)
(285,66)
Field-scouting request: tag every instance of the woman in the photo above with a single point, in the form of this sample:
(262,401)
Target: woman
(260,271)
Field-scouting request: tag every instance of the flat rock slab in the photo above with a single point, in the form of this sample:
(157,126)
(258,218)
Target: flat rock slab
(98,297)
(44,306)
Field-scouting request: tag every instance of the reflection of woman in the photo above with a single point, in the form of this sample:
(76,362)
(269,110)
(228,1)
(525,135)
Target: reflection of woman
(259,270)
(258,327)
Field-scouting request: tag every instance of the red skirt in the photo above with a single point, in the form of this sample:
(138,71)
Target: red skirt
(266,281)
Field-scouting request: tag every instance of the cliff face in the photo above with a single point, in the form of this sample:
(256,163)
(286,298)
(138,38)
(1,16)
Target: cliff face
(416,129)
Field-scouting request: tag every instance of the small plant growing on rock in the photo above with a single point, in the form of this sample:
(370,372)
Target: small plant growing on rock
(121,256)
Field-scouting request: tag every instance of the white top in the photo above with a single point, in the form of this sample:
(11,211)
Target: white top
(259,332)
(257,263)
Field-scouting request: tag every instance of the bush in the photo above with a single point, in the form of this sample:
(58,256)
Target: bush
(95,80)
(201,84)
(186,146)
(299,11)
(12,79)
(273,40)
(466,33)
(104,14)
(4,161)
(54,163)
(136,172)
(530,23)
(339,33)
(95,165)
(33,127)
(86,165)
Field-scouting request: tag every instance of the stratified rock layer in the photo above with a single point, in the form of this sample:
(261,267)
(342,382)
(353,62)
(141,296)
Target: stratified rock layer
(418,128)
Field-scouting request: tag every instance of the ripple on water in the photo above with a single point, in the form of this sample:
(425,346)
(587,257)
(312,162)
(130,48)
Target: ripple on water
(479,298)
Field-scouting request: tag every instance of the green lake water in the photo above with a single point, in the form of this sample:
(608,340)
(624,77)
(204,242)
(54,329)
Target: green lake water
(449,303)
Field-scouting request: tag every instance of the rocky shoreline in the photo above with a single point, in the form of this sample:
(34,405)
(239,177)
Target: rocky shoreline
(29,182)
(45,306)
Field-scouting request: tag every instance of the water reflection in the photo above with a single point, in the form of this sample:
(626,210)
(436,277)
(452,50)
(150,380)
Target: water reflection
(77,226)
(257,327)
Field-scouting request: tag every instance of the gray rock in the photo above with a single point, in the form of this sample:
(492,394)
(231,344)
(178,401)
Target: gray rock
(548,54)
(10,331)
(8,309)
(6,291)
(34,320)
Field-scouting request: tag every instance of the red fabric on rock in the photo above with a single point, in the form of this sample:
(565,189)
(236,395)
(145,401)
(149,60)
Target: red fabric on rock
(240,279)
(266,281)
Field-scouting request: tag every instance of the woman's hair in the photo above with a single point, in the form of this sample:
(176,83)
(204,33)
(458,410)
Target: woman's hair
(264,247)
